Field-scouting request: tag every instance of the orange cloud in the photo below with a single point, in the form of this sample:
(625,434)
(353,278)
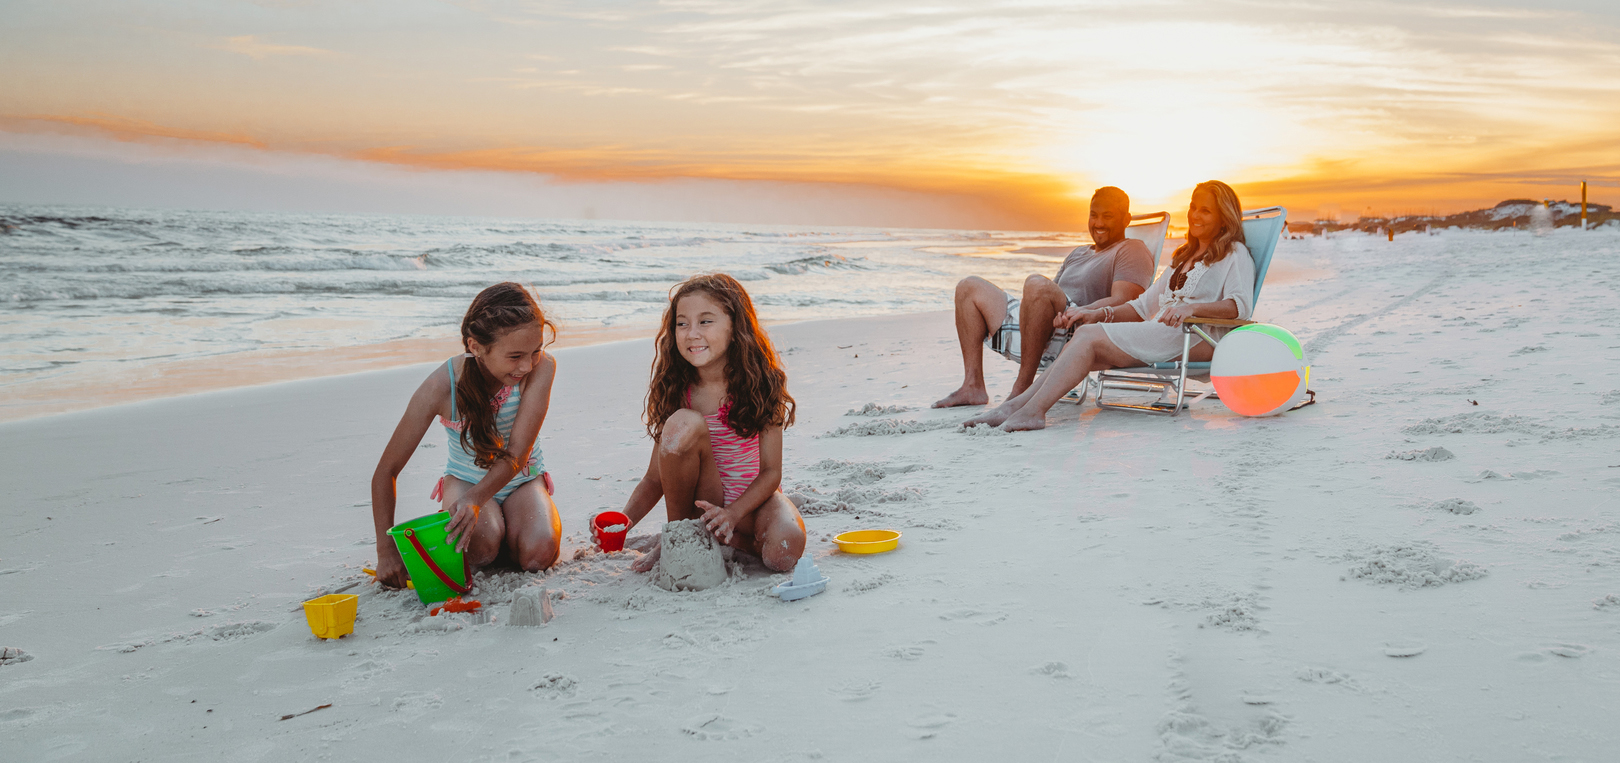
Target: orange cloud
(990,197)
(122,128)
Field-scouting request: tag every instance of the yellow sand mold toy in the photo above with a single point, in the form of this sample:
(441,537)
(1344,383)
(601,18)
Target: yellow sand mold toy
(332,615)
(867,541)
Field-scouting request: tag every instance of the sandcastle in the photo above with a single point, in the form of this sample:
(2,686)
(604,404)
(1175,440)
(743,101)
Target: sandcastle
(530,607)
(689,559)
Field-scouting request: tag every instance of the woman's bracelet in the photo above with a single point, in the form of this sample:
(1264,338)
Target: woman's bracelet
(1108,314)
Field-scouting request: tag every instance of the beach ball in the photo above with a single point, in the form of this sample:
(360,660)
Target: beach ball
(1259,370)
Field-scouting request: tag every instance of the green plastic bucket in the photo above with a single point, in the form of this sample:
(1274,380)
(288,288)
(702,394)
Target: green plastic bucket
(437,569)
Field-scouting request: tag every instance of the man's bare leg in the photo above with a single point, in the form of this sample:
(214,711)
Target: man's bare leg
(1042,302)
(980,309)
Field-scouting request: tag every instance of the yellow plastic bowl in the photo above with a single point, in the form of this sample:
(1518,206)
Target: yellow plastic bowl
(332,615)
(867,541)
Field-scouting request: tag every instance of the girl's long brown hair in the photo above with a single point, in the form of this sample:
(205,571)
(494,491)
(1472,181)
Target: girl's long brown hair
(494,313)
(755,380)
(1226,200)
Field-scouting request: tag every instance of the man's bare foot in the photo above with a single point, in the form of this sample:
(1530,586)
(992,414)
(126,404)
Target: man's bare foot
(964,395)
(1023,422)
(993,417)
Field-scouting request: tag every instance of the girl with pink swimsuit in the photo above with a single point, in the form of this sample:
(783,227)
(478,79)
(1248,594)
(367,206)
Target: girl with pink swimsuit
(716,408)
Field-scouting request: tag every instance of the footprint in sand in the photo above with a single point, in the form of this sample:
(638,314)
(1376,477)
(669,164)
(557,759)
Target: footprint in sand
(975,616)
(1327,676)
(1455,506)
(1567,651)
(1052,669)
(555,685)
(928,726)
(716,727)
(855,691)
(868,584)
(907,652)
(1404,649)
(10,655)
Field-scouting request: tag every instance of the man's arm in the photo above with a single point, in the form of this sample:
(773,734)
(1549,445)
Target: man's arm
(1123,291)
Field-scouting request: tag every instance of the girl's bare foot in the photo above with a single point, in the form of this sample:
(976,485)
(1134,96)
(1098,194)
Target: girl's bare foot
(993,417)
(963,395)
(650,553)
(1022,421)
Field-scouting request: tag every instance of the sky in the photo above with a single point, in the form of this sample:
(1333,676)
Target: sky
(958,114)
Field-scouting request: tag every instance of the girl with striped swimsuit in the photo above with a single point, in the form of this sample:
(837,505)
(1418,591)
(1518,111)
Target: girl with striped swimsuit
(491,402)
(716,408)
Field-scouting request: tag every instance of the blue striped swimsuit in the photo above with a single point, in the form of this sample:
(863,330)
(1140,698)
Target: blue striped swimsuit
(461,464)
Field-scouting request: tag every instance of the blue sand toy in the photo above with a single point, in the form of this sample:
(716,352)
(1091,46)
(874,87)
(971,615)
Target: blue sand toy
(807,581)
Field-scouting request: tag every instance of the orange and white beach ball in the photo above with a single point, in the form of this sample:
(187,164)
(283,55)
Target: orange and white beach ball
(1259,370)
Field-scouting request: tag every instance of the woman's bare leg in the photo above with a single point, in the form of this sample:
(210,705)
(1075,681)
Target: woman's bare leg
(487,533)
(533,527)
(1089,350)
(998,415)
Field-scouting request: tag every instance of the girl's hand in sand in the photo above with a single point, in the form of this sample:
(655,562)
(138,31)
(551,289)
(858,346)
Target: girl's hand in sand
(721,523)
(463,518)
(390,568)
(1173,316)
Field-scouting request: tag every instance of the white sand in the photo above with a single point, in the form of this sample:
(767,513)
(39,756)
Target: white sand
(1117,587)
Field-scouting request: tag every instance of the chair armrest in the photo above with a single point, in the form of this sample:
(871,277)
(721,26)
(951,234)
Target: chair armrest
(1217,321)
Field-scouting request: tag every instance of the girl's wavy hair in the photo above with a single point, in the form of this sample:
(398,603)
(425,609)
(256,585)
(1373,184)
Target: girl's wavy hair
(1226,200)
(755,380)
(494,313)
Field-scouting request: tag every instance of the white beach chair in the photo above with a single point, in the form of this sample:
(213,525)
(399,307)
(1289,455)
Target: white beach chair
(1150,229)
(1262,228)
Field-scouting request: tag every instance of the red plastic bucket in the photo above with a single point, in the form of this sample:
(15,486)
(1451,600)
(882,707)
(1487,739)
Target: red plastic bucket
(610,541)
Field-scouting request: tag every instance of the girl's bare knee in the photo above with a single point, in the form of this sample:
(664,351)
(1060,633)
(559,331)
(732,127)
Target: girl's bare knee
(534,557)
(682,431)
(781,551)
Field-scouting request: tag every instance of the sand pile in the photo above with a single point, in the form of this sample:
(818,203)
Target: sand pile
(689,559)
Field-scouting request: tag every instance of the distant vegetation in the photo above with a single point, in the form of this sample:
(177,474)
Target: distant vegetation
(1513,213)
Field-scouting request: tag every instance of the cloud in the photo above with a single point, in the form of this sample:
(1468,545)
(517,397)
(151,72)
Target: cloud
(250,46)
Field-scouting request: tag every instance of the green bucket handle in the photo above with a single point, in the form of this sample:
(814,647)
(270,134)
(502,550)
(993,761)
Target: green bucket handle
(410,535)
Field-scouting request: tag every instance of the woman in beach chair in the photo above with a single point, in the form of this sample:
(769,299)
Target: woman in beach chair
(1210,276)
(492,402)
(716,408)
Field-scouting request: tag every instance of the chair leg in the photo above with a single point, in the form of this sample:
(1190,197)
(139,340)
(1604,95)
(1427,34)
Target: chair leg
(1181,383)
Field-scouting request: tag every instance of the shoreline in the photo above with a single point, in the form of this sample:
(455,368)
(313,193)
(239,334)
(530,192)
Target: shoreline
(40,398)
(264,368)
(254,368)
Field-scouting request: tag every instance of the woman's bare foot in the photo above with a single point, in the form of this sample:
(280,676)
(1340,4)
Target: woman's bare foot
(1023,421)
(993,417)
(964,395)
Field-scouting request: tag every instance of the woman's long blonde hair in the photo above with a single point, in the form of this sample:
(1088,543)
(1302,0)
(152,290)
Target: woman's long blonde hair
(1226,200)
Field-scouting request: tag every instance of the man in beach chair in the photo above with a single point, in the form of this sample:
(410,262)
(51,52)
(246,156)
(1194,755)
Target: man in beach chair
(1111,271)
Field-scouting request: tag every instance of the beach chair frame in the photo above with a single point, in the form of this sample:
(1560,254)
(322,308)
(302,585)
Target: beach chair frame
(1262,229)
(1151,228)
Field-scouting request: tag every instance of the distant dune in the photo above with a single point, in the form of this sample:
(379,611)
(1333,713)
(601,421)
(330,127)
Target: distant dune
(1513,213)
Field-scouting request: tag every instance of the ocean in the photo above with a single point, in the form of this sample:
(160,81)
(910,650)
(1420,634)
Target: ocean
(85,291)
